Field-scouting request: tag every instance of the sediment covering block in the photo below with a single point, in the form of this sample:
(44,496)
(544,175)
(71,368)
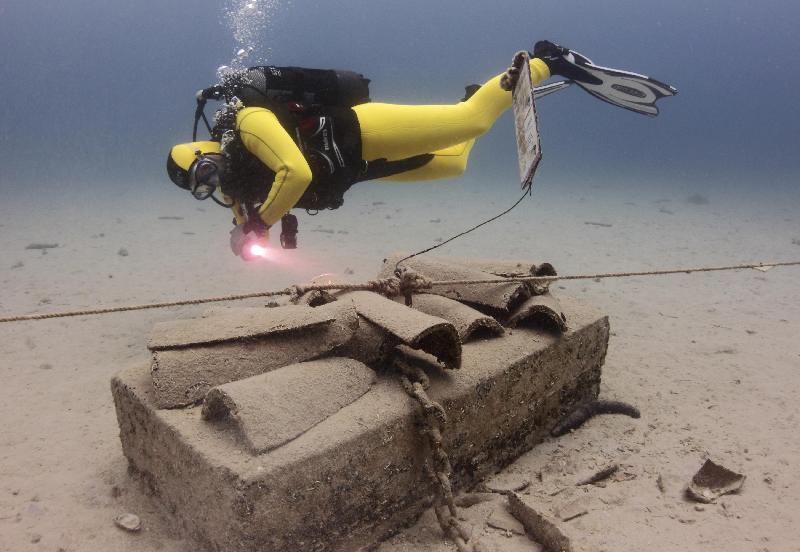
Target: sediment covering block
(497,297)
(272,409)
(357,476)
(466,320)
(400,325)
(510,304)
(542,307)
(192,356)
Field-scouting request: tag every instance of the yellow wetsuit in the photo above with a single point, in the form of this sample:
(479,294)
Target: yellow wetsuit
(388,131)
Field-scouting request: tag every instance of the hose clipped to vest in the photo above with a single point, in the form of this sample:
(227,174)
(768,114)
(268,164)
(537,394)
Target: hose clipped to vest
(211,93)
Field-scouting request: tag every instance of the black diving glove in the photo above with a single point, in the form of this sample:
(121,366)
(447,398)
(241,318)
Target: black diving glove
(256,226)
(561,62)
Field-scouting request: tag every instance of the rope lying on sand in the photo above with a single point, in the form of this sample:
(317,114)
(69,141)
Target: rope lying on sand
(386,286)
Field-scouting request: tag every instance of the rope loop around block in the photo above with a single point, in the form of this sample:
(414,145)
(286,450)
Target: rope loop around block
(433,420)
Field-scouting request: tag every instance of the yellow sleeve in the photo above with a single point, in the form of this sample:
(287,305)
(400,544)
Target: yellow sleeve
(265,138)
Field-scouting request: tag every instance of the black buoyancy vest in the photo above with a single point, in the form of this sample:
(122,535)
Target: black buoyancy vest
(314,107)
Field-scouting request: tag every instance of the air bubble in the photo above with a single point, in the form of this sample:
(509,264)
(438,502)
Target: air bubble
(250,22)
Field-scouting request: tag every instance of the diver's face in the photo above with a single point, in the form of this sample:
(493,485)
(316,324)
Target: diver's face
(205,175)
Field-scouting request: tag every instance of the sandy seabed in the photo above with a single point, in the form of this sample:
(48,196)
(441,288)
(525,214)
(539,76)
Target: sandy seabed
(710,359)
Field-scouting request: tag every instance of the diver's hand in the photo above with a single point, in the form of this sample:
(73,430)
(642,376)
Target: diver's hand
(239,237)
(256,226)
(244,237)
(509,79)
(560,61)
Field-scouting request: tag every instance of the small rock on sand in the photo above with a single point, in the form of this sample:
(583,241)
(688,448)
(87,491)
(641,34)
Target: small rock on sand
(662,487)
(41,246)
(128,522)
(122,252)
(796,241)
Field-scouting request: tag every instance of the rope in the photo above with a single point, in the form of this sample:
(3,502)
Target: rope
(604,275)
(465,232)
(432,422)
(386,286)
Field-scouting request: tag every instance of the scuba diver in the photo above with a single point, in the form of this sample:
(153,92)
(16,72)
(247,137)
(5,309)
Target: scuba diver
(289,137)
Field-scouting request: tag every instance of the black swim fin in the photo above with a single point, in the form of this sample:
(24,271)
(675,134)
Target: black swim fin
(547,89)
(624,89)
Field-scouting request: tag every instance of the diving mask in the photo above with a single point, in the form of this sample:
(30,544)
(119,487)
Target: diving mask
(204,177)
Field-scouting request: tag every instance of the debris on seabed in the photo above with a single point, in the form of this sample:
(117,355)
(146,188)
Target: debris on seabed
(598,475)
(585,411)
(712,481)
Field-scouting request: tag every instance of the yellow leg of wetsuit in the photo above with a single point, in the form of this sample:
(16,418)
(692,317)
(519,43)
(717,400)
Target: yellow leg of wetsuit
(447,163)
(394,132)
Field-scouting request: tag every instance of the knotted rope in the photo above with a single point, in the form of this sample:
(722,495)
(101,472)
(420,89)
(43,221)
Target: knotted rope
(411,282)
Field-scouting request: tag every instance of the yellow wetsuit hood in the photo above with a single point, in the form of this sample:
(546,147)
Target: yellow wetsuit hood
(182,156)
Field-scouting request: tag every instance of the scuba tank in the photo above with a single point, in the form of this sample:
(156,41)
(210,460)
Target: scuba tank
(274,88)
(266,85)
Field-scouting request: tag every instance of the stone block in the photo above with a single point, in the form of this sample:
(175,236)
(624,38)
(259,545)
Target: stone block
(356,477)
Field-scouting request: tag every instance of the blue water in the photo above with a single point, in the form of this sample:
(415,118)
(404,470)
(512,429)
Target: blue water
(96,91)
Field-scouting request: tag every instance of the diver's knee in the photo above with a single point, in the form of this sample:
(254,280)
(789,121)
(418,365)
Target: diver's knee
(478,124)
(477,120)
(481,127)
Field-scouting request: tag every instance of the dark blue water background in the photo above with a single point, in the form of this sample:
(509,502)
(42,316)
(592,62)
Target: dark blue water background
(95,91)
